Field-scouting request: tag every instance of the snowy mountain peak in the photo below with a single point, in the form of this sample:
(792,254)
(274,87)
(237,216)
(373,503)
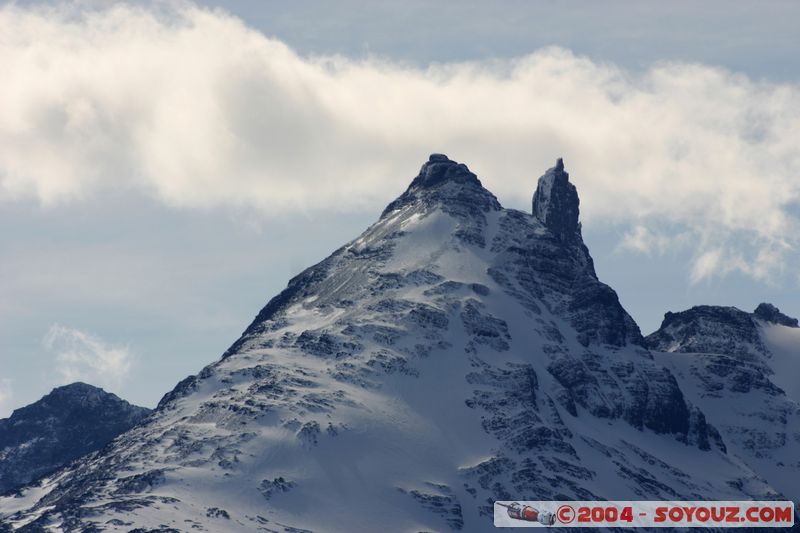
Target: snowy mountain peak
(453,354)
(440,169)
(769,313)
(444,182)
(77,391)
(556,204)
(75,395)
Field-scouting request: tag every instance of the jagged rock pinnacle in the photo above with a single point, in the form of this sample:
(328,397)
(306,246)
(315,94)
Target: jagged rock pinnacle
(556,204)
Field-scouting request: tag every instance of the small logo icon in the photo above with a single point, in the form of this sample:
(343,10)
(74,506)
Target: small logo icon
(566,514)
(527,513)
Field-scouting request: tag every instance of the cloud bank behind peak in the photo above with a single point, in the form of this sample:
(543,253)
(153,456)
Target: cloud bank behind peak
(198,111)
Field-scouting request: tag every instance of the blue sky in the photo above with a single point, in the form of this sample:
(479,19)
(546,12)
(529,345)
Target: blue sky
(165,169)
(757,38)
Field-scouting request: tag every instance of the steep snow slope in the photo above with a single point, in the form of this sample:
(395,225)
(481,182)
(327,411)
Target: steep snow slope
(743,369)
(453,354)
(67,423)
(783,345)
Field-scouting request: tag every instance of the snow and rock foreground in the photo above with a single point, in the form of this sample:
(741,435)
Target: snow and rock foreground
(454,354)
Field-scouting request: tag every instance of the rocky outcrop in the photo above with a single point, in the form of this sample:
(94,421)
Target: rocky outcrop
(70,422)
(707,329)
(556,204)
(450,185)
(716,329)
(770,313)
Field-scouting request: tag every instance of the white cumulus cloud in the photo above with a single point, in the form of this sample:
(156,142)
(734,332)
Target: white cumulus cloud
(199,111)
(80,356)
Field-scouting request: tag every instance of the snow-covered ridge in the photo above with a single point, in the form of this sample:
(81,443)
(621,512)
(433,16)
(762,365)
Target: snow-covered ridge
(453,354)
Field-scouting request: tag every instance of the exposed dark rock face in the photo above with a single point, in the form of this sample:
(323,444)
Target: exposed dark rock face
(708,329)
(68,423)
(715,329)
(556,204)
(447,183)
(564,267)
(770,313)
(567,268)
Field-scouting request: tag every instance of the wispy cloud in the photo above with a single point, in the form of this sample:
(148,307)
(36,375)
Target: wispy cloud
(80,356)
(644,240)
(200,111)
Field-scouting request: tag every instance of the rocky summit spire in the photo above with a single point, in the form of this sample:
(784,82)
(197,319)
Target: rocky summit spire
(446,182)
(440,169)
(555,204)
